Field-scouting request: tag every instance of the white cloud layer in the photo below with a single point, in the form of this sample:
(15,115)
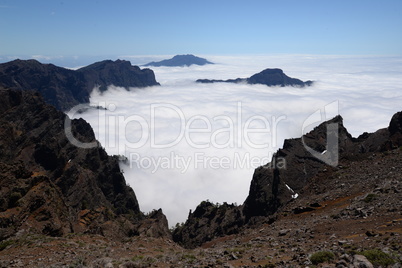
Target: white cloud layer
(215,130)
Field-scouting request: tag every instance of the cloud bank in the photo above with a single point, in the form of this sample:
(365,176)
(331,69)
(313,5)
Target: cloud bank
(187,142)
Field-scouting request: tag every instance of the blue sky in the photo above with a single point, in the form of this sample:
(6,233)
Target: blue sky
(113,28)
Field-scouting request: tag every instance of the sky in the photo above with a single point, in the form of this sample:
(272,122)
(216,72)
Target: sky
(145,125)
(49,29)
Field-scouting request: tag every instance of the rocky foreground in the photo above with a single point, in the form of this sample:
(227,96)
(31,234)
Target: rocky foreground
(349,211)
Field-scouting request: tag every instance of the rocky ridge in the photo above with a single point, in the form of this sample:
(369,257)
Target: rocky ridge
(268,77)
(50,187)
(65,88)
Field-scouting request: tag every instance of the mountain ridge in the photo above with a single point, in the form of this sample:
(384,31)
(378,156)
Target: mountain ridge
(65,88)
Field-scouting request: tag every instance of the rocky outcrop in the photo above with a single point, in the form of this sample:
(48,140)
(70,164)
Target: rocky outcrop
(180,60)
(155,225)
(208,221)
(48,185)
(64,88)
(269,77)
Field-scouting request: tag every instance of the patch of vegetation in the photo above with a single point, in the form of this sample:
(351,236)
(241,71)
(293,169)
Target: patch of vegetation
(137,258)
(369,198)
(321,257)
(189,258)
(378,257)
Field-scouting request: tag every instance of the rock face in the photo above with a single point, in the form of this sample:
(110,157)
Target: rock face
(49,186)
(293,172)
(64,88)
(180,60)
(269,77)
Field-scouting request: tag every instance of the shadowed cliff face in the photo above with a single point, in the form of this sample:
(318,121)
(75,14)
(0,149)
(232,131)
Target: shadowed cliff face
(293,172)
(49,186)
(64,88)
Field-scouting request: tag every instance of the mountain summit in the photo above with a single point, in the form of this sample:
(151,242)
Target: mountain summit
(180,60)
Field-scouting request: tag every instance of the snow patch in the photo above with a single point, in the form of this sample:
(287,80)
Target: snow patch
(294,195)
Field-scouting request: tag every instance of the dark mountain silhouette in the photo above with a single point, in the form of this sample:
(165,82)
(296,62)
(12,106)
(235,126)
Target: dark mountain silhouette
(269,77)
(64,88)
(180,60)
(49,186)
(274,186)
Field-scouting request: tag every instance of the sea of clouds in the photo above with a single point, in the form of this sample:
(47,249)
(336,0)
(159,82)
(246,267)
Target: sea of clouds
(186,142)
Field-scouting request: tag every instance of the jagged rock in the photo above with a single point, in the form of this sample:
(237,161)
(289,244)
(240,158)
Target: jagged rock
(180,60)
(48,185)
(269,77)
(207,222)
(155,225)
(64,88)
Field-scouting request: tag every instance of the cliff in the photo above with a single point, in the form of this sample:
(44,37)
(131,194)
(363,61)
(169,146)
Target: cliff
(64,88)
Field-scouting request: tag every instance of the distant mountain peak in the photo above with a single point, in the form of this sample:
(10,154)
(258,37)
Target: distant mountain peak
(180,60)
(269,77)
